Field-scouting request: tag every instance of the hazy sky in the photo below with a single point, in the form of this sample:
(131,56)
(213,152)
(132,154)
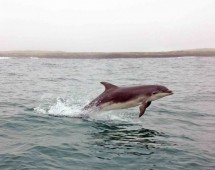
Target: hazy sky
(106,25)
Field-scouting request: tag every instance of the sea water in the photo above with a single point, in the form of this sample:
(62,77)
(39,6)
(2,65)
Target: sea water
(41,126)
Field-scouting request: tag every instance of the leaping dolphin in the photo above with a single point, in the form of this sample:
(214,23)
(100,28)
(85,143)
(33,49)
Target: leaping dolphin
(115,97)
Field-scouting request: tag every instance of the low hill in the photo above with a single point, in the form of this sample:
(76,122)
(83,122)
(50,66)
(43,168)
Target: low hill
(88,55)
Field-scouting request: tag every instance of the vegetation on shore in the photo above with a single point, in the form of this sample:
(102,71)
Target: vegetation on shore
(86,55)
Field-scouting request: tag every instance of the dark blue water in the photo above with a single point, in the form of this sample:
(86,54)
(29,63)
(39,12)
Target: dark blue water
(40,100)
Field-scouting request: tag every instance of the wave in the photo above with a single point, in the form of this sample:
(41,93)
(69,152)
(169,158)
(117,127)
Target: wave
(8,58)
(34,58)
(5,58)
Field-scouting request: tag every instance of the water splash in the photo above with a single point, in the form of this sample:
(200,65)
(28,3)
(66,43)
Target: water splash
(72,108)
(61,107)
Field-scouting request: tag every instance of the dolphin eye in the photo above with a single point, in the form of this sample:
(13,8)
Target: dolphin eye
(154,92)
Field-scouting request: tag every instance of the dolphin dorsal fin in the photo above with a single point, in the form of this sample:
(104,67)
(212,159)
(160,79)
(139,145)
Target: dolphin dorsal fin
(108,85)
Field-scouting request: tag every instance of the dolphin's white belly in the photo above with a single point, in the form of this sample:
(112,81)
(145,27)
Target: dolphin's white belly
(114,106)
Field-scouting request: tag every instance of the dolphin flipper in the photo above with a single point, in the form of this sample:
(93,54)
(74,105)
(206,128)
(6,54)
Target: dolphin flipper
(143,107)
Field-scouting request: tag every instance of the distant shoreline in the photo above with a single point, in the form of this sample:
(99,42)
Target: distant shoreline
(209,52)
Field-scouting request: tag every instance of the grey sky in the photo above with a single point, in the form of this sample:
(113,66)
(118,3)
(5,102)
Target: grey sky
(106,25)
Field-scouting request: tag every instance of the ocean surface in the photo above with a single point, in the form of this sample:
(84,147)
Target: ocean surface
(41,127)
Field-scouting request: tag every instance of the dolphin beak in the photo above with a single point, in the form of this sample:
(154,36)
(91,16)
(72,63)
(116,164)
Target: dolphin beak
(170,92)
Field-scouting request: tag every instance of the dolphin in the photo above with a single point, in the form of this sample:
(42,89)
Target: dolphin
(115,97)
